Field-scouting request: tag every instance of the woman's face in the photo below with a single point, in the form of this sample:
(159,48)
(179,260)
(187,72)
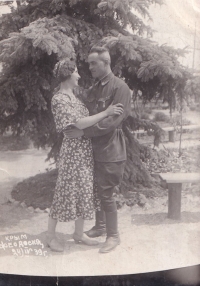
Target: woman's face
(74,78)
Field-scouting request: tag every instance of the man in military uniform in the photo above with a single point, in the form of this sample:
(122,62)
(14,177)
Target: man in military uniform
(108,142)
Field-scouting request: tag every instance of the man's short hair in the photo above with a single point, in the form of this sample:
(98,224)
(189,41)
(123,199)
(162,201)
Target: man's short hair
(102,52)
(99,50)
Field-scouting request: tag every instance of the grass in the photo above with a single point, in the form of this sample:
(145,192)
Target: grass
(14,143)
(36,191)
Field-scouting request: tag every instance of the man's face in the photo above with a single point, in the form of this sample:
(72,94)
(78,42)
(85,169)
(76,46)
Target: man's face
(97,67)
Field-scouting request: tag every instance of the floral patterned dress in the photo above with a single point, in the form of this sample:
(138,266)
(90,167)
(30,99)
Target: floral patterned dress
(75,193)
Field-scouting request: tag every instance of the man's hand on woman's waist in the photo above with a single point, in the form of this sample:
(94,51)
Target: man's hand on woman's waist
(74,133)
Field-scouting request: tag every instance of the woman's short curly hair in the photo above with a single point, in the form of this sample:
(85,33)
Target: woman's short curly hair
(64,68)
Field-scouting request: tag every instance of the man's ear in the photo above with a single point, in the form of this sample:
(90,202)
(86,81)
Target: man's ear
(107,62)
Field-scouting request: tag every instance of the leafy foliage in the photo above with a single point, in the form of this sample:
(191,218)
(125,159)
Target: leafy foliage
(40,32)
(193,87)
(3,3)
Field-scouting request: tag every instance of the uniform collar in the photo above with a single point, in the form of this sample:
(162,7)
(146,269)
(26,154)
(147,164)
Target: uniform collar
(105,79)
(91,96)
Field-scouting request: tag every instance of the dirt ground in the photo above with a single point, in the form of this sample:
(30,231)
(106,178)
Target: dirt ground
(149,240)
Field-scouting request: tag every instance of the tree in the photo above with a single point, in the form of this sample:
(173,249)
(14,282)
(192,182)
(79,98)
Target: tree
(38,33)
(2,3)
(192,87)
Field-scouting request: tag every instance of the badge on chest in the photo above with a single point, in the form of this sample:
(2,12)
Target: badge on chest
(103,103)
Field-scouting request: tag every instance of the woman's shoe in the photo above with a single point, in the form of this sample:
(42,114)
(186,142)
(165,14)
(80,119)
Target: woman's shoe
(83,239)
(54,244)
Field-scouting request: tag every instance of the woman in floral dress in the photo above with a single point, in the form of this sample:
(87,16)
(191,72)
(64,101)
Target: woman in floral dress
(74,197)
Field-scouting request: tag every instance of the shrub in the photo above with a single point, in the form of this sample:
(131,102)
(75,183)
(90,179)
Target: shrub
(193,108)
(13,143)
(176,120)
(36,191)
(160,116)
(165,107)
(148,110)
(144,115)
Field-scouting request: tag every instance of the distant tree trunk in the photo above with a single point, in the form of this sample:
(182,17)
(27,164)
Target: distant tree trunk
(18,2)
(172,136)
(181,131)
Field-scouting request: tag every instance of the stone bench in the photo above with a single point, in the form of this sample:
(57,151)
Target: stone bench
(172,132)
(170,129)
(174,182)
(139,132)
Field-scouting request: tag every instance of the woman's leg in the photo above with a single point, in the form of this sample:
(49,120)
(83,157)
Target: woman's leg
(79,224)
(52,241)
(51,232)
(79,236)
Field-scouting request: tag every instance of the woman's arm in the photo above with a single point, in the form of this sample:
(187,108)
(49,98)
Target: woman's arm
(88,121)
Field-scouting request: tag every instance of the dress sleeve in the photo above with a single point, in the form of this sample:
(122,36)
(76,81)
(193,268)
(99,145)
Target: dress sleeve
(64,113)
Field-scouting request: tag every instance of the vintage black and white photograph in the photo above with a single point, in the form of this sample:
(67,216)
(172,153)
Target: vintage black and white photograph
(99,137)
